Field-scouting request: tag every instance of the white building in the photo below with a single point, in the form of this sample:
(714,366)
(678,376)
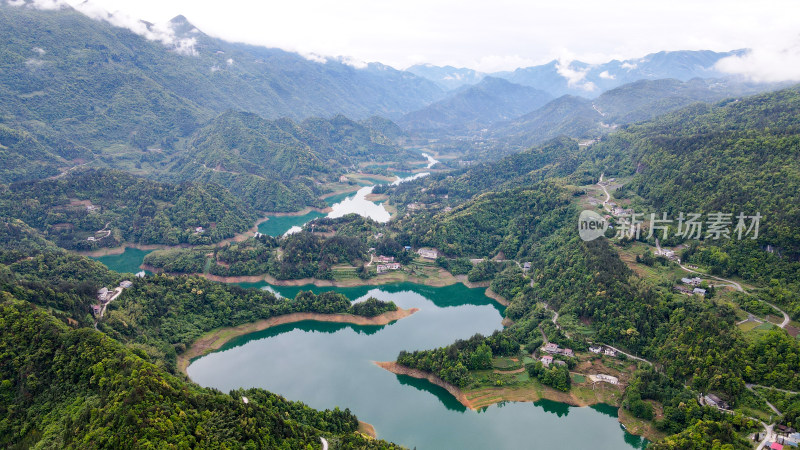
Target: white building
(428,253)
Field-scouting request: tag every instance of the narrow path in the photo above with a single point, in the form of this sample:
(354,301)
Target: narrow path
(324,443)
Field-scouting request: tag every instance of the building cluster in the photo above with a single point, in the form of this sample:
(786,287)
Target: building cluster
(104,296)
(667,253)
(603,350)
(785,437)
(692,288)
(554,349)
(548,359)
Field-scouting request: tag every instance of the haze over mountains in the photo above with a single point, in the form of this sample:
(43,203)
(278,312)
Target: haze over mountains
(75,90)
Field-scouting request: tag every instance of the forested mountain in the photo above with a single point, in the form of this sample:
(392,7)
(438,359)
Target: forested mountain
(447,77)
(634,102)
(277,165)
(74,89)
(595,79)
(474,107)
(736,156)
(64,384)
(105,208)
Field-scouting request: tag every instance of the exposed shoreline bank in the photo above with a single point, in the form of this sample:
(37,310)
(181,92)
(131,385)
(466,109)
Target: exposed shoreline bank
(499,395)
(216,339)
(446,279)
(398,369)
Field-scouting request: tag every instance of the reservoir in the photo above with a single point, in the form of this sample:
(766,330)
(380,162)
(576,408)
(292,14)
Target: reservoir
(331,364)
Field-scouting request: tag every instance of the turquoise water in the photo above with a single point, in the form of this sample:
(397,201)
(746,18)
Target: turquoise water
(277,225)
(331,364)
(127,262)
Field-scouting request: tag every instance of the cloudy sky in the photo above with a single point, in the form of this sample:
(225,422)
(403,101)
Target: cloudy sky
(501,34)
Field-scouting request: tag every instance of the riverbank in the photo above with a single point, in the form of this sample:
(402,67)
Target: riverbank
(214,340)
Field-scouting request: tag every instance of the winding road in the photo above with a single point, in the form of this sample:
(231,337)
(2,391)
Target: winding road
(738,287)
(608,196)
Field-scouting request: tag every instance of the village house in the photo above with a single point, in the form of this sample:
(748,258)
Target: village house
(597,350)
(550,348)
(141,274)
(692,281)
(699,291)
(385,259)
(667,253)
(559,362)
(428,253)
(526,267)
(103,294)
(126,284)
(96,310)
(381,268)
(547,360)
(607,378)
(609,352)
(713,400)
(567,352)
(199,230)
(682,290)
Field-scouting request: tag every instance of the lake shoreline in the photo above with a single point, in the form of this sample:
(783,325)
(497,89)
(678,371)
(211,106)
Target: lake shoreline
(214,340)
(499,395)
(398,369)
(446,279)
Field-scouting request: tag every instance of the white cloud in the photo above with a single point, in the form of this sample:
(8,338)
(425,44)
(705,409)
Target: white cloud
(575,77)
(503,35)
(607,76)
(628,66)
(765,64)
(314,57)
(161,32)
(48,4)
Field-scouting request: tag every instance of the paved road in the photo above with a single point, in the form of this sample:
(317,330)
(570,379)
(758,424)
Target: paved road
(608,196)
(768,436)
(773,408)
(628,354)
(117,291)
(738,287)
(751,385)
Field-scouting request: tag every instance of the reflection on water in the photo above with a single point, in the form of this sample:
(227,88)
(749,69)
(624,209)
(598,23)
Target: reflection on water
(331,364)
